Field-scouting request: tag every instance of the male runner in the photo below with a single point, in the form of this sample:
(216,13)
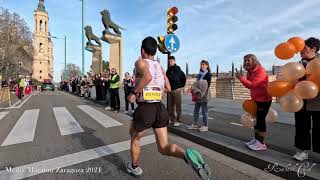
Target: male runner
(151,83)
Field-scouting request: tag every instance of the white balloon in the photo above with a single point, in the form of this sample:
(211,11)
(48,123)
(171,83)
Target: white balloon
(291,102)
(247,120)
(292,71)
(306,89)
(272,116)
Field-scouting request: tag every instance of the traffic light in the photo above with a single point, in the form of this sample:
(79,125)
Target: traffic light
(171,20)
(161,45)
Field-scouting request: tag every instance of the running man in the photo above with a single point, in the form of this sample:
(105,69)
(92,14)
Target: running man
(151,83)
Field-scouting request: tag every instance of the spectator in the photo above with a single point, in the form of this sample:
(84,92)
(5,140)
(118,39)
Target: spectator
(21,85)
(177,80)
(98,85)
(103,88)
(83,87)
(73,84)
(310,110)
(204,74)
(257,81)
(114,89)
(107,89)
(128,85)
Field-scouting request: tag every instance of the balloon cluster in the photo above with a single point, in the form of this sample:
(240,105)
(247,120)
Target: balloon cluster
(286,50)
(249,118)
(287,87)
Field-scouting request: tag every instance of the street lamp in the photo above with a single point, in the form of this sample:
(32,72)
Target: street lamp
(82,30)
(65,54)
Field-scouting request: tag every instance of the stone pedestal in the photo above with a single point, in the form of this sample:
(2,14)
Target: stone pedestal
(115,59)
(96,58)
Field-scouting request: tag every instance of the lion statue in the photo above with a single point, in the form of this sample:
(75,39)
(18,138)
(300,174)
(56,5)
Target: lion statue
(108,23)
(90,36)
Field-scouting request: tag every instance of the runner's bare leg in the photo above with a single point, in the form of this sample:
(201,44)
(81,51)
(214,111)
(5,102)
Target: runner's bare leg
(163,145)
(135,145)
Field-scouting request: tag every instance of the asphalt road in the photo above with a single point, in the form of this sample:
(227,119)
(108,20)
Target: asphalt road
(55,135)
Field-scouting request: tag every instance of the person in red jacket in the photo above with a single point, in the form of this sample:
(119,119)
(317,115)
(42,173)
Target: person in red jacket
(257,82)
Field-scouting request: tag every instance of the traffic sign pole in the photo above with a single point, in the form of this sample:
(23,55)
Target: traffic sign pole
(168,79)
(171,42)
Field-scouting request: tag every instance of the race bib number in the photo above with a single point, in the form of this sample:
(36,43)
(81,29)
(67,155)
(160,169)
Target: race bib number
(152,94)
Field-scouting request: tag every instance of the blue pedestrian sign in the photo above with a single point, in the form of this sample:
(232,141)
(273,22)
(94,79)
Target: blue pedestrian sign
(172,43)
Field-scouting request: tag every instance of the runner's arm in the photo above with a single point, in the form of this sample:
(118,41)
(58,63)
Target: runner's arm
(167,87)
(142,69)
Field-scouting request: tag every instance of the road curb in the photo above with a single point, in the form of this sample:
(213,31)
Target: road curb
(236,149)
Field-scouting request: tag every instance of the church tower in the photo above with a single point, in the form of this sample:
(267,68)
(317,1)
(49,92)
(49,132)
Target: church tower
(43,55)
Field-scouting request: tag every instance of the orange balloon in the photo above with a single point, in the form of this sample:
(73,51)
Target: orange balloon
(250,106)
(279,88)
(314,80)
(285,50)
(298,43)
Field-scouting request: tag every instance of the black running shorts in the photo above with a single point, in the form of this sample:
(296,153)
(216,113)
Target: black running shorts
(149,115)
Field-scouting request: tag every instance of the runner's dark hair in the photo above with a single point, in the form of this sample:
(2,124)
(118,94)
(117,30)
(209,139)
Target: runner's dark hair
(149,45)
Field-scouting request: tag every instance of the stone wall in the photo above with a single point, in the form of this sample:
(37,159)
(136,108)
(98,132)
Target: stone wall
(226,87)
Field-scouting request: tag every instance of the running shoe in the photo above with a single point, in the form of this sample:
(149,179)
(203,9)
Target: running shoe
(135,171)
(194,158)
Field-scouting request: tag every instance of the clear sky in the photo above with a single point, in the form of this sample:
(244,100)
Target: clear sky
(222,31)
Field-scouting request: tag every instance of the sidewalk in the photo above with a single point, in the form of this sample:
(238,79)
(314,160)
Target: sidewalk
(14,99)
(234,107)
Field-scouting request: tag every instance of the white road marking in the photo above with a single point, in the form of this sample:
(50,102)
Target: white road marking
(53,165)
(16,103)
(101,118)
(3,114)
(27,99)
(199,115)
(66,122)
(236,124)
(24,129)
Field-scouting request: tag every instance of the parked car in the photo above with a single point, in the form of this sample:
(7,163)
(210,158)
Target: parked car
(47,86)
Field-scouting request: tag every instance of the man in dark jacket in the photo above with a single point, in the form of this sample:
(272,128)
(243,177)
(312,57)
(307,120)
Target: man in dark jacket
(177,80)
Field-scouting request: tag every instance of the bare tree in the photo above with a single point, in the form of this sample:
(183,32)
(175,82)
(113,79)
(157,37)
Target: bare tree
(15,36)
(72,70)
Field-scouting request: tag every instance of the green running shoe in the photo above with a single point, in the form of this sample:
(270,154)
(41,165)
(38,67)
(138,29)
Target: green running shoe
(198,164)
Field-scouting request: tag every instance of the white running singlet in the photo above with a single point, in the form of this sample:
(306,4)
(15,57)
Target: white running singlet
(153,91)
